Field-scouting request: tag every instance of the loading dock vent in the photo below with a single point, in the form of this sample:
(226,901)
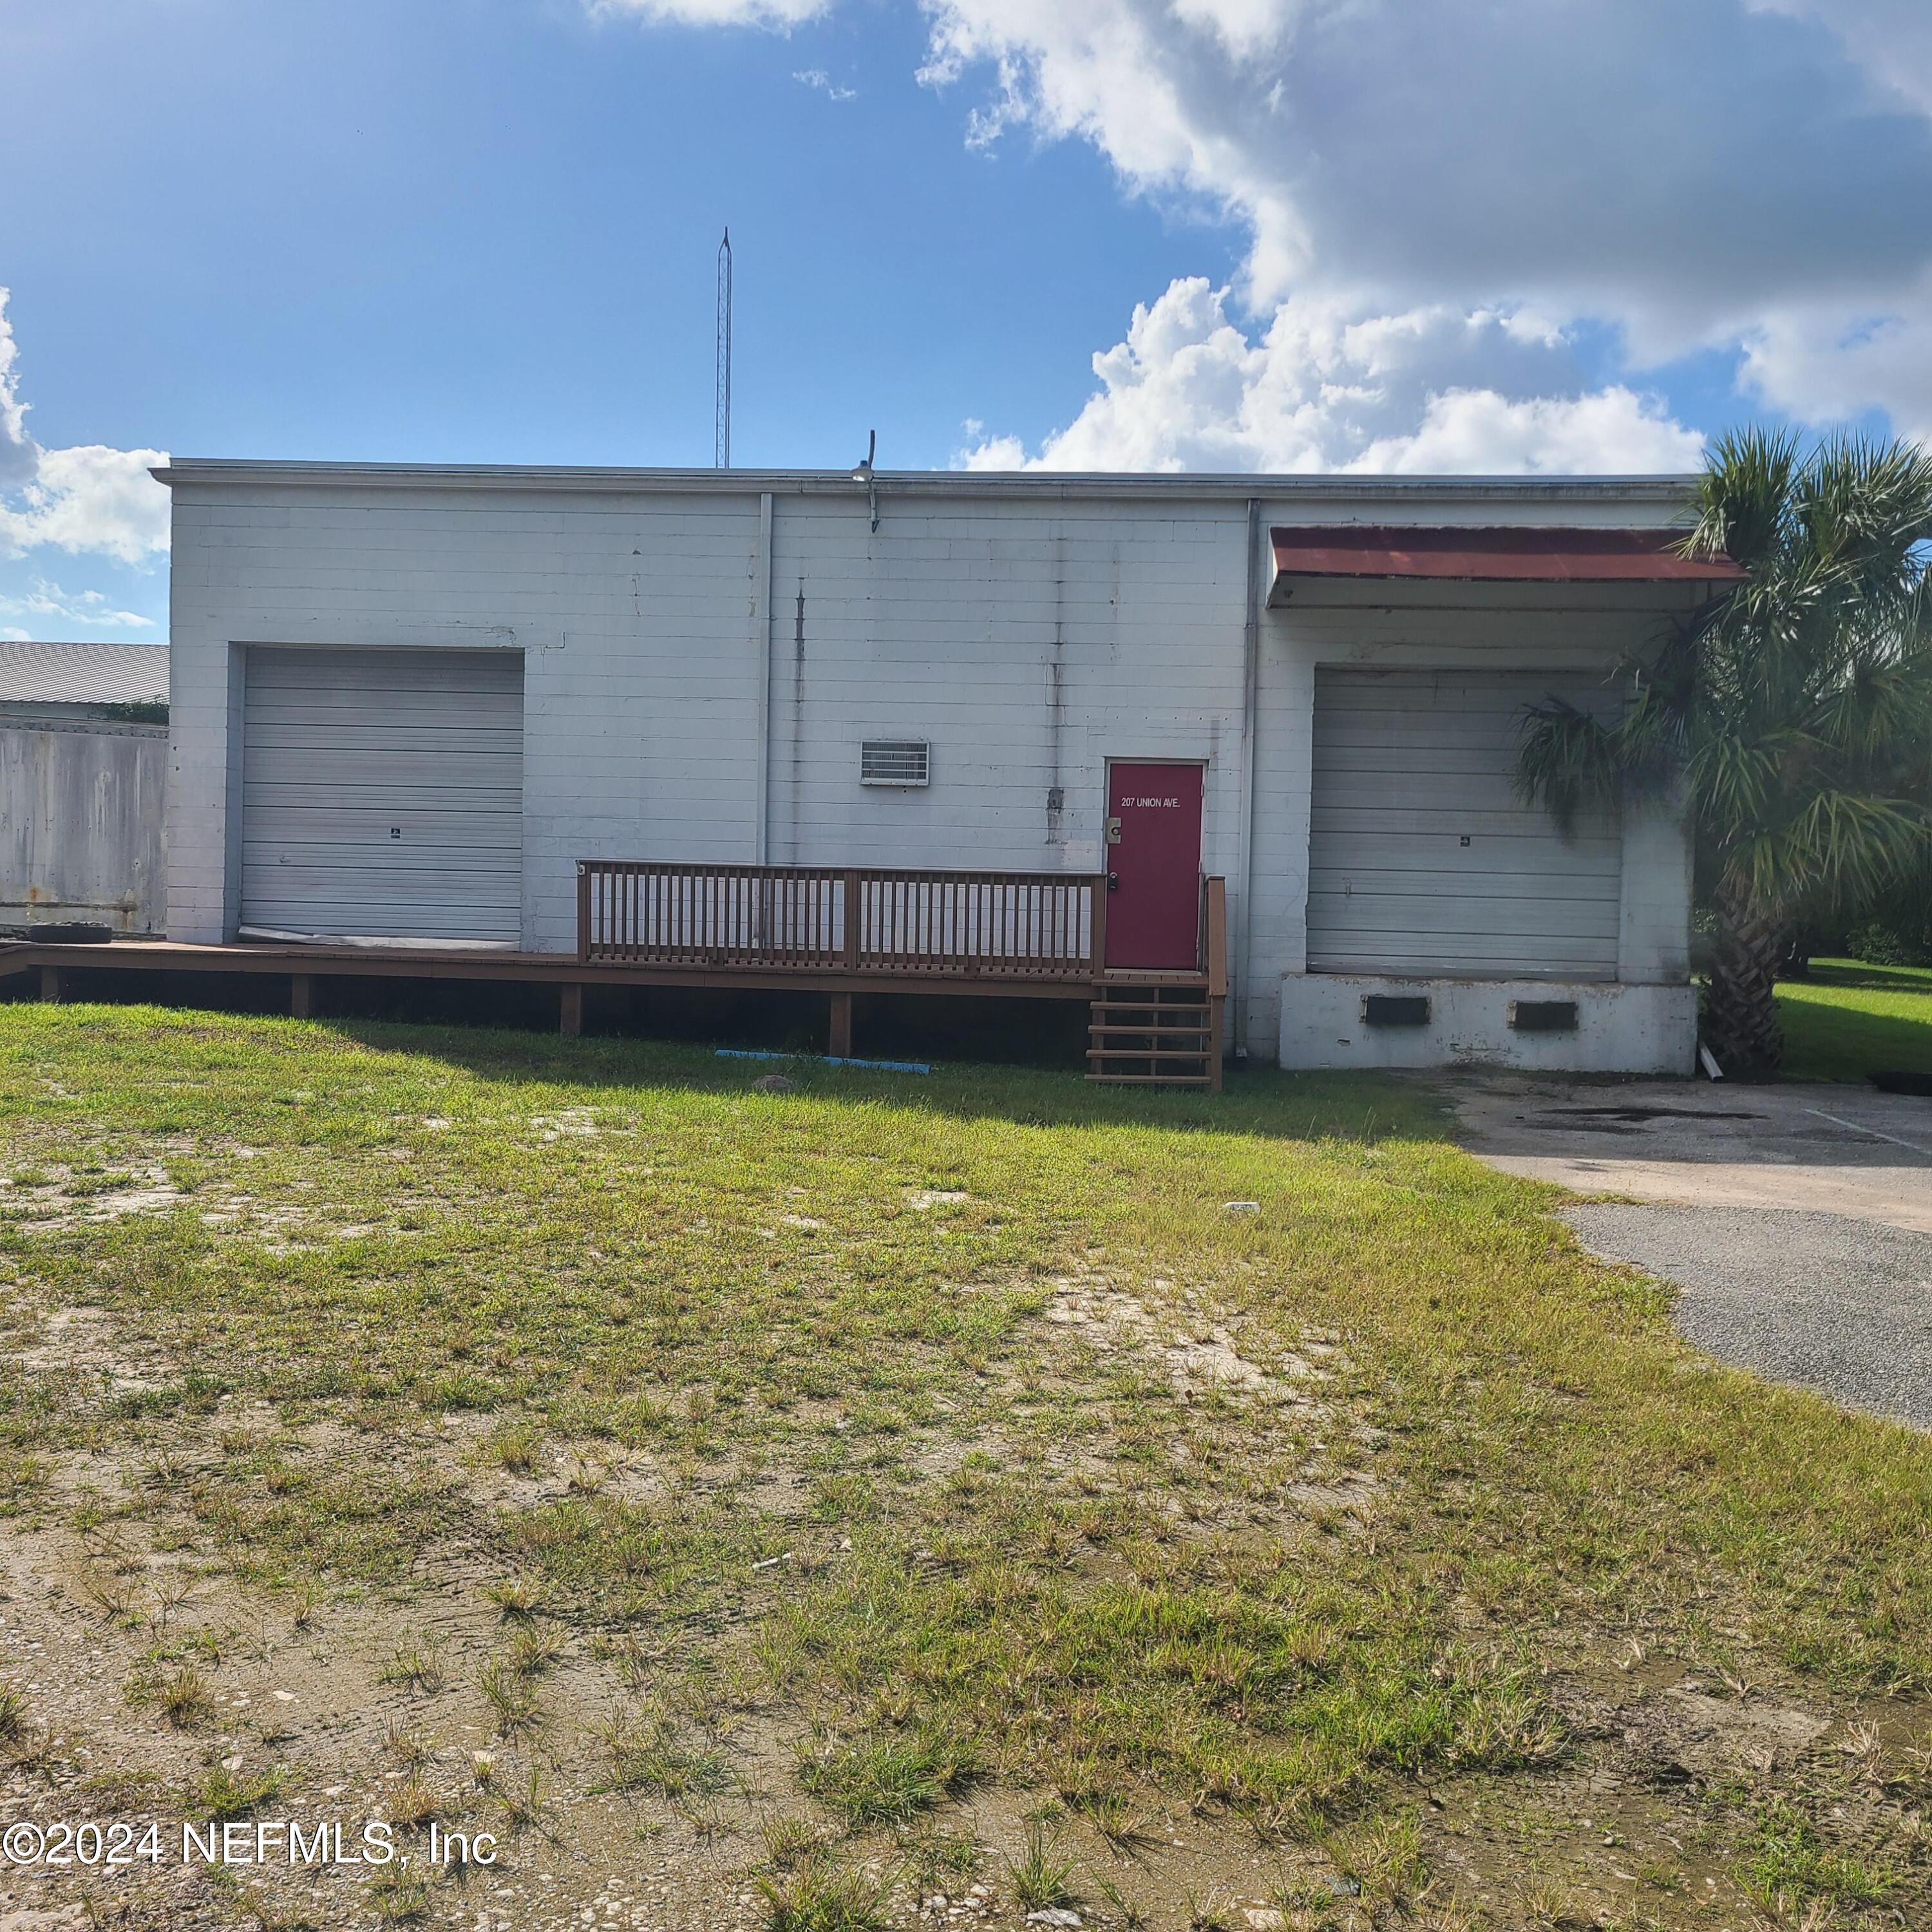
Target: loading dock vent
(1543,1016)
(1395,1009)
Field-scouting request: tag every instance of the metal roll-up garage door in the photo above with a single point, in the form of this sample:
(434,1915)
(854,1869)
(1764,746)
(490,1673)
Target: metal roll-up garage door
(383,793)
(1422,859)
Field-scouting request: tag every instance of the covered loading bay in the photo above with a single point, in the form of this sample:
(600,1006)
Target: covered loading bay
(382,794)
(1422,861)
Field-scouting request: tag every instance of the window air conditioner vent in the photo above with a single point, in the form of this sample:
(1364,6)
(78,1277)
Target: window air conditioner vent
(895,761)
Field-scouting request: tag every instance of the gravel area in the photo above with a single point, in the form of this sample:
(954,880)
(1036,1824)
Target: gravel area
(1828,1301)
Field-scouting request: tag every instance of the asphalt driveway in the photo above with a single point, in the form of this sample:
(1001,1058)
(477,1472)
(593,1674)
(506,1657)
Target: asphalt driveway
(1796,1220)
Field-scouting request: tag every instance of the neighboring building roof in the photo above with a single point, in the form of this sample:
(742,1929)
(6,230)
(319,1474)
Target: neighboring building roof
(1512,555)
(83,673)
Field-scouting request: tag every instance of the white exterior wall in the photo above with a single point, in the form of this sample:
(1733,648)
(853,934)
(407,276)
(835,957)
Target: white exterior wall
(641,629)
(1029,645)
(1029,634)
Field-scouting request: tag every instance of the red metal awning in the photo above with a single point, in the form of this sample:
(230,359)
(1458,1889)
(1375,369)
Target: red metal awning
(1510,556)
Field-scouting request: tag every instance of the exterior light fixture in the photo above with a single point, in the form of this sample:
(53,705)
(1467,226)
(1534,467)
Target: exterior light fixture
(863,474)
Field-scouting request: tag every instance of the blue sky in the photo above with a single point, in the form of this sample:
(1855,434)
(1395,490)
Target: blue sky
(1554,235)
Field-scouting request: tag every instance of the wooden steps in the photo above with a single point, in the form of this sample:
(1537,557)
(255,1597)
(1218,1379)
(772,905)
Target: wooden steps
(1155,1035)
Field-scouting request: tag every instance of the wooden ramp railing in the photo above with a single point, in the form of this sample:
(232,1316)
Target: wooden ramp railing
(1037,926)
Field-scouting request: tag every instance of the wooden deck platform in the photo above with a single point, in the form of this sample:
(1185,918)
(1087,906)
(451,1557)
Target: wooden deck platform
(980,935)
(556,969)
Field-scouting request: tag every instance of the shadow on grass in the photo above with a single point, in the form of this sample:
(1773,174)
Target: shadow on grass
(1878,979)
(1263,1101)
(1848,1020)
(1020,1059)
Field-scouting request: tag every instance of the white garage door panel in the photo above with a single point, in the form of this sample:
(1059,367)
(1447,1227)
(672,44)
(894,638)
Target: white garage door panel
(1453,920)
(326,828)
(425,764)
(383,793)
(283,697)
(1443,902)
(376,737)
(1425,791)
(445,873)
(444,918)
(1499,961)
(1440,855)
(1407,764)
(377,799)
(435,892)
(426,671)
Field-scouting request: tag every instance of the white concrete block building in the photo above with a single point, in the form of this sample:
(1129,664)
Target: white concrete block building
(408,701)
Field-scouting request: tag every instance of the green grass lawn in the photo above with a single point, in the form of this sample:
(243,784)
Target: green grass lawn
(1849,1019)
(802,1502)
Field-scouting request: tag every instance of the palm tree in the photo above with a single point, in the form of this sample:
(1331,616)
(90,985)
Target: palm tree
(1791,721)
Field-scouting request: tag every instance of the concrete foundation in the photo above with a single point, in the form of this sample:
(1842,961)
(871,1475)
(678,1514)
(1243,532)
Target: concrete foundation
(1619,1029)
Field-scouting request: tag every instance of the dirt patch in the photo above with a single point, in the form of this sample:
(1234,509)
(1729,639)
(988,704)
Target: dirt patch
(45,1200)
(1199,1353)
(82,1342)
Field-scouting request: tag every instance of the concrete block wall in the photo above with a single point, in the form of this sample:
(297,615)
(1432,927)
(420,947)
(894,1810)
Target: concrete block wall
(640,622)
(1654,924)
(1028,645)
(1029,634)
(1619,1029)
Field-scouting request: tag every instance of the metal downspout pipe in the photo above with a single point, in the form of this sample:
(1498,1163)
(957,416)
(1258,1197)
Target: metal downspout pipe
(1241,950)
(762,594)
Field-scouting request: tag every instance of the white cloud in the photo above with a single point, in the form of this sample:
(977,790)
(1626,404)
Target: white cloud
(1749,176)
(43,599)
(19,457)
(777,15)
(820,82)
(87,498)
(1818,365)
(1892,40)
(1678,159)
(1431,390)
(93,499)
(1477,432)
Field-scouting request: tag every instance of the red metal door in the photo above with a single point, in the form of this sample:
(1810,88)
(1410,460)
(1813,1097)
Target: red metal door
(1153,866)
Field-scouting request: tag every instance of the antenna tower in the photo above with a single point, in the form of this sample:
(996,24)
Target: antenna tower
(722,458)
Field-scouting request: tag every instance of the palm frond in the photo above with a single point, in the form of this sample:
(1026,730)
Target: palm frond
(1852,843)
(1732,781)
(1795,713)
(1879,716)
(1743,504)
(1862,504)
(1567,761)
